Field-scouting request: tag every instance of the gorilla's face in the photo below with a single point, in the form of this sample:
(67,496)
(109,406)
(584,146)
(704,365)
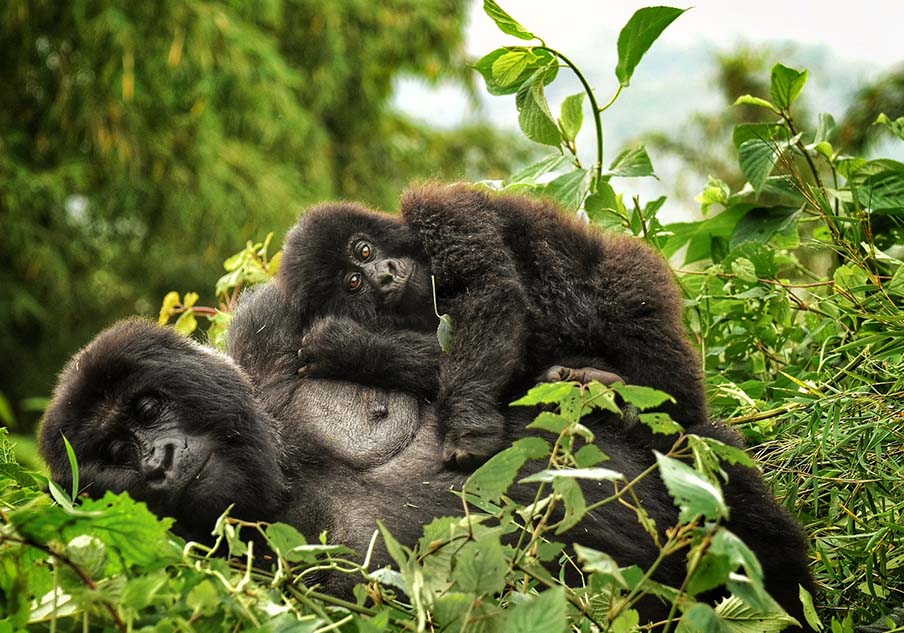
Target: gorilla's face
(122,403)
(345,260)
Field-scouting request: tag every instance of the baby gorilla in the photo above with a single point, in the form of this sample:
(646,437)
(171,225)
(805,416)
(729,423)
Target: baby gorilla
(527,287)
(358,286)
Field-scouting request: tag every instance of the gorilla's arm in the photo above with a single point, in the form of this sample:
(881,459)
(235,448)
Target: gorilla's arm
(477,284)
(267,340)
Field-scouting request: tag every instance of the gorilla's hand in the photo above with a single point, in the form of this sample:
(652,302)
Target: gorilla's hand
(583,375)
(329,347)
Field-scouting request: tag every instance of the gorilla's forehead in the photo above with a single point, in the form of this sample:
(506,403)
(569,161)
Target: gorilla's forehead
(362,426)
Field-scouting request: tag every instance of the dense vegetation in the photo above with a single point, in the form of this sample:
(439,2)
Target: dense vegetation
(794,288)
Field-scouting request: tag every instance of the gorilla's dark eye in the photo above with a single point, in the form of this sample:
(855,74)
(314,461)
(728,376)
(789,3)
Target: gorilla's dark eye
(121,453)
(148,407)
(354,282)
(363,250)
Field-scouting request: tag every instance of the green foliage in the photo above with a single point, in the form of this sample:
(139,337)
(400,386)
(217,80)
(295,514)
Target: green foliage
(146,140)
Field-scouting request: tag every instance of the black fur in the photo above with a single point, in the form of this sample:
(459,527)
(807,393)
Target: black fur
(338,456)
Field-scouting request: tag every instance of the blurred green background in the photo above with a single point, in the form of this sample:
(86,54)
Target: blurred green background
(143,143)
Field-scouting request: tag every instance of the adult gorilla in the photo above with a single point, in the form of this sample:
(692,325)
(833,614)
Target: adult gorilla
(186,430)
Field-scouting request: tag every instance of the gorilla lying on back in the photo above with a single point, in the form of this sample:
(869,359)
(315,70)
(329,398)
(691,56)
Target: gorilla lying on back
(527,288)
(180,427)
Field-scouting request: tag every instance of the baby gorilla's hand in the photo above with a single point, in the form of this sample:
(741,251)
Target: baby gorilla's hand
(327,347)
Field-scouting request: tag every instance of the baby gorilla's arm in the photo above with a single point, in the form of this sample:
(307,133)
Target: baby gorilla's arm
(343,349)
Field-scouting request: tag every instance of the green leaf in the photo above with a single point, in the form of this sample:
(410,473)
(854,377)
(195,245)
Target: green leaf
(744,269)
(572,115)
(493,479)
(757,159)
(506,23)
(738,617)
(896,127)
(549,164)
(787,84)
(549,393)
(810,610)
(691,491)
(761,223)
(716,192)
(573,497)
(570,188)
(632,162)
(534,116)
(542,614)
(599,562)
(283,538)
(595,474)
(635,39)
(508,68)
(73,467)
(760,131)
(755,101)
(541,59)
(825,129)
(660,423)
(400,554)
(879,186)
(549,421)
(642,397)
(186,323)
(591,455)
(480,566)
(699,236)
(444,332)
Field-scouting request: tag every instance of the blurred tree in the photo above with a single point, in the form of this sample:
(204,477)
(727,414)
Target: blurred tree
(885,95)
(142,143)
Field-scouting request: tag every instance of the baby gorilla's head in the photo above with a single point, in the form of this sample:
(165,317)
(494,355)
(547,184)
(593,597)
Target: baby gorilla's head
(342,259)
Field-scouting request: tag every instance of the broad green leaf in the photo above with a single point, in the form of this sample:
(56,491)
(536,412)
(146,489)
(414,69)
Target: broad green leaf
(760,131)
(541,614)
(635,39)
(572,115)
(632,162)
(599,562)
(642,397)
(701,618)
(547,165)
(534,116)
(602,205)
(541,59)
(573,498)
(451,611)
(589,455)
(661,423)
(549,421)
(480,566)
(755,101)
(716,192)
(508,68)
(400,554)
(506,23)
(596,474)
(89,553)
(738,617)
(896,127)
(691,491)
(699,236)
(761,223)
(570,188)
(879,186)
(283,538)
(786,85)
(757,159)
(744,269)
(548,393)
(186,323)
(810,610)
(494,478)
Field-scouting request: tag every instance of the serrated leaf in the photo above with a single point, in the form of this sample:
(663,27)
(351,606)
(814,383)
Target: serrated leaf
(549,393)
(480,566)
(755,101)
(548,421)
(692,492)
(508,68)
(506,23)
(744,270)
(635,39)
(633,162)
(600,563)
(740,618)
(88,553)
(757,159)
(660,423)
(589,455)
(570,188)
(494,478)
(534,115)
(642,397)
(879,186)
(786,85)
(572,115)
(573,498)
(542,614)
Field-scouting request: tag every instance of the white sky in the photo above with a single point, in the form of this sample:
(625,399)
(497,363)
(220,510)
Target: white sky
(868,30)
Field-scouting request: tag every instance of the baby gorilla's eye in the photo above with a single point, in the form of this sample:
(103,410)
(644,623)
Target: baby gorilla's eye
(147,407)
(354,282)
(363,250)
